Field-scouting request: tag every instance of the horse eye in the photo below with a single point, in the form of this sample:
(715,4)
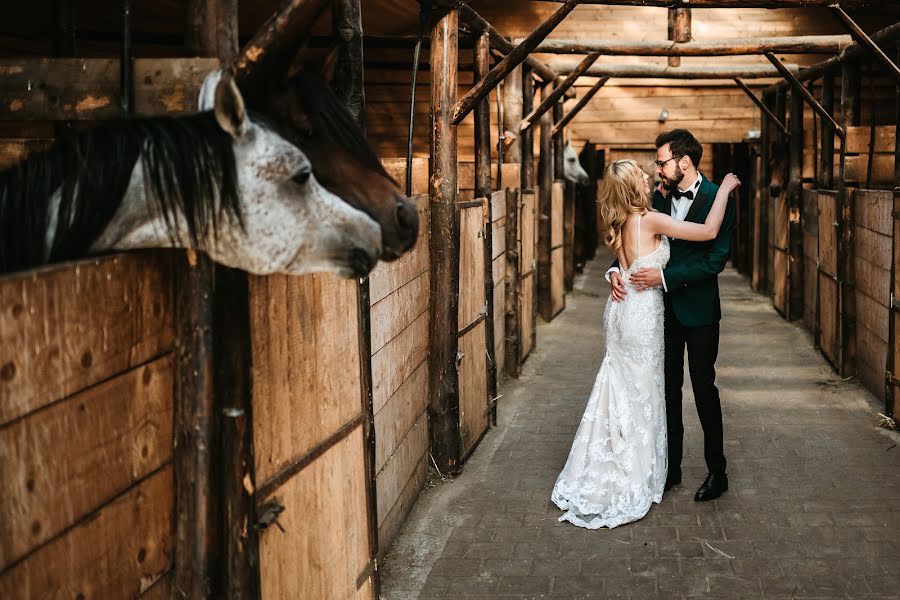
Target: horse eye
(303,176)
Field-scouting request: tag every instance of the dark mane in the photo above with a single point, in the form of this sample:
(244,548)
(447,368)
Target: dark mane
(329,118)
(188,164)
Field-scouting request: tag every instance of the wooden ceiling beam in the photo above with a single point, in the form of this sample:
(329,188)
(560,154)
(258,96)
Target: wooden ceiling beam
(731,3)
(808,44)
(564,67)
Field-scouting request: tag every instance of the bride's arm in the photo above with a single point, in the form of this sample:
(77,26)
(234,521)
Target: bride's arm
(661,223)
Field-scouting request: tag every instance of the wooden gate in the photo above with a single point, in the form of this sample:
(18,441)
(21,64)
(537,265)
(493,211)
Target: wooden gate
(474,406)
(828,305)
(309,437)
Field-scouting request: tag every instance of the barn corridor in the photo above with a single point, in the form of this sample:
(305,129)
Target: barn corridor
(812,510)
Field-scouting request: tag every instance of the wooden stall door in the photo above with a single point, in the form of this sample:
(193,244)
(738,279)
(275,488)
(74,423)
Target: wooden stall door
(87,381)
(810,210)
(527,280)
(894,396)
(472,358)
(827,274)
(308,437)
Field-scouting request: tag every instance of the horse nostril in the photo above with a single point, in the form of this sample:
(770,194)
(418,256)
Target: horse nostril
(362,261)
(407,222)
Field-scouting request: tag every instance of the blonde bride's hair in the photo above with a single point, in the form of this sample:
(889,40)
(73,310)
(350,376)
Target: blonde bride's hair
(620,194)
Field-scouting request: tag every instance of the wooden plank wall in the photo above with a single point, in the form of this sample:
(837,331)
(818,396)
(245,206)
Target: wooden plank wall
(308,436)
(872,262)
(399,316)
(87,369)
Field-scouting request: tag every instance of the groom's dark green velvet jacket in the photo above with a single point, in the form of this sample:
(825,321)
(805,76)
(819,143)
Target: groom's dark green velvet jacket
(691,275)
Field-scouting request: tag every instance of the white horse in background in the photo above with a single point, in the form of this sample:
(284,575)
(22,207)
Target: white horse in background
(573,172)
(217,181)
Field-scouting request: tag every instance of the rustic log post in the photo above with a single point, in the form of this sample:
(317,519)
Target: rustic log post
(679,30)
(564,66)
(512,115)
(762,235)
(826,165)
(559,140)
(795,203)
(569,237)
(509,62)
(546,167)
(850,81)
(348,85)
(483,190)
(444,320)
(891,404)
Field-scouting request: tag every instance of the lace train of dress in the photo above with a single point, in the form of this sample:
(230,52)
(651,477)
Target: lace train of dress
(617,465)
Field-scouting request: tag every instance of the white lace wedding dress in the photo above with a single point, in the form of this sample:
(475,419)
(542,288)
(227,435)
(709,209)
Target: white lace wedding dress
(617,465)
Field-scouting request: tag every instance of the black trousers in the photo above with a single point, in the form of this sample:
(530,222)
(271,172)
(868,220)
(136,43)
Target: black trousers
(702,348)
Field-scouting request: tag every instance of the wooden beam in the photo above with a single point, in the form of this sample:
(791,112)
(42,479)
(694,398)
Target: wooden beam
(558,141)
(726,3)
(846,338)
(478,24)
(761,106)
(810,44)
(443,407)
(798,87)
(544,215)
(513,344)
(794,303)
(826,164)
(526,138)
(866,42)
(679,30)
(558,127)
(509,62)
(559,90)
(274,45)
(564,66)
(853,52)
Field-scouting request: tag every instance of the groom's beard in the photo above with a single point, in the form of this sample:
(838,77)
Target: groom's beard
(671,184)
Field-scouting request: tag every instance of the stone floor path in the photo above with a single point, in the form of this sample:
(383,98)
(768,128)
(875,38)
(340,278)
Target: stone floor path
(813,510)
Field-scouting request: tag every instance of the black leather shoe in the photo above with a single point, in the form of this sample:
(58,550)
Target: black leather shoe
(715,485)
(672,479)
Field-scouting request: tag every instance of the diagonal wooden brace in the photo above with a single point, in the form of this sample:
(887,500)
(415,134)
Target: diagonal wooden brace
(865,41)
(557,128)
(557,93)
(810,99)
(481,89)
(762,106)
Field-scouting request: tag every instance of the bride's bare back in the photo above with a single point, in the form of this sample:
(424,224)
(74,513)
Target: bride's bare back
(631,250)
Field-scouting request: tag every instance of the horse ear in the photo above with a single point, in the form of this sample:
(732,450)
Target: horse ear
(231,114)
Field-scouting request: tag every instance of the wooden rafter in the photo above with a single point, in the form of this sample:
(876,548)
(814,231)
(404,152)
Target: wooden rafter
(564,66)
(481,89)
(558,127)
(807,44)
(558,92)
(810,99)
(866,42)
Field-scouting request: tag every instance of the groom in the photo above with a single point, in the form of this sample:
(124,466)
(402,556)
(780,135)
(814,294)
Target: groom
(692,308)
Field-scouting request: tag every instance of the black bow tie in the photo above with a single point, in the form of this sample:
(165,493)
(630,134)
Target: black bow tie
(679,195)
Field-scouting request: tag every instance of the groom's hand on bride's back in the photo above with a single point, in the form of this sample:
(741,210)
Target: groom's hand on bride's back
(618,287)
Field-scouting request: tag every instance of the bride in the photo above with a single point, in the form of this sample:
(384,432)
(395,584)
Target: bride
(617,465)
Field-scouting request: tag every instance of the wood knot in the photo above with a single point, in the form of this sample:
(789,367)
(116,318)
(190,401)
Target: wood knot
(8,371)
(148,375)
(86,359)
(142,555)
(36,527)
(17,311)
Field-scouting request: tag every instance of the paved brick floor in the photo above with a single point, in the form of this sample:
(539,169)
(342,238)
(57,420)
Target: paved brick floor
(813,510)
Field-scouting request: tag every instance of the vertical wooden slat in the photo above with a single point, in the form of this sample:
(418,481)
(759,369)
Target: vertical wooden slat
(483,190)
(528,185)
(850,81)
(513,344)
(826,167)
(349,86)
(545,201)
(512,116)
(443,325)
(679,30)
(795,189)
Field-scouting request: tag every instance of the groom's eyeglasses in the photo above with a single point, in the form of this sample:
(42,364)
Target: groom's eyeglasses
(662,163)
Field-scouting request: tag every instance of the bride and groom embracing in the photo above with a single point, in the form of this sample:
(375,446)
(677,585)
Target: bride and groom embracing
(665,296)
